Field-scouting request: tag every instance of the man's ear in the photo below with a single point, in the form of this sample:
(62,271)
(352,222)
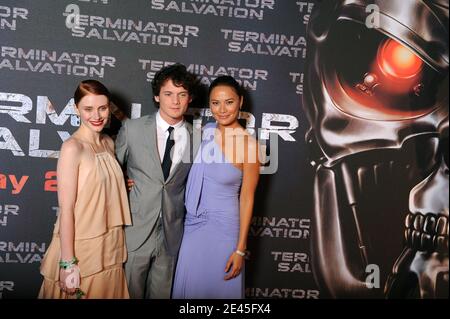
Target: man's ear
(156,98)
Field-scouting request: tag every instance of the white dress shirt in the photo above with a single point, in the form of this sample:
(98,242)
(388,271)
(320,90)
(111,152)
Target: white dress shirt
(180,135)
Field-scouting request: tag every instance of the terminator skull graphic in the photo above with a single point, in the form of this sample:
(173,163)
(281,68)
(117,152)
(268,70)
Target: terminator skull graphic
(376,98)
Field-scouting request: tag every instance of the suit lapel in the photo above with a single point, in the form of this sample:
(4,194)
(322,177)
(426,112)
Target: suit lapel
(150,137)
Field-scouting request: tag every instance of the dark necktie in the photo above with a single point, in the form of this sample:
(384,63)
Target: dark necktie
(167,161)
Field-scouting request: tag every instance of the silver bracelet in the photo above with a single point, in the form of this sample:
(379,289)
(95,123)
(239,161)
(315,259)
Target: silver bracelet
(240,253)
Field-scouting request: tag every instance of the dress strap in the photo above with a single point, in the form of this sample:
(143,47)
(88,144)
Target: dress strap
(105,146)
(92,147)
(194,185)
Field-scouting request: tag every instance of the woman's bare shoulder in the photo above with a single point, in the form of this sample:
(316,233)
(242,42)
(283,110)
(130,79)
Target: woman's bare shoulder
(72,145)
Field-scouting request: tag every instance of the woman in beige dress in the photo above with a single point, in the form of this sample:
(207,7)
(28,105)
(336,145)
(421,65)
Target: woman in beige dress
(86,255)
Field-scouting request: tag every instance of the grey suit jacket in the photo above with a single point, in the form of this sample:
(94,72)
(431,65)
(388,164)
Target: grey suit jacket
(137,150)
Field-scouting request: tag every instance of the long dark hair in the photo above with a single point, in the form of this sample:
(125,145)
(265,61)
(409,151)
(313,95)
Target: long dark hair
(229,81)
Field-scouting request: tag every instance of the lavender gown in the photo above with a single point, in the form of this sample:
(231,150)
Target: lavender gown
(211,228)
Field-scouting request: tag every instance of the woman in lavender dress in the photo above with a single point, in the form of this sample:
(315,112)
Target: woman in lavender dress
(219,202)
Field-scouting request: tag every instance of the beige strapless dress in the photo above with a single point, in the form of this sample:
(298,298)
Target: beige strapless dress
(101,211)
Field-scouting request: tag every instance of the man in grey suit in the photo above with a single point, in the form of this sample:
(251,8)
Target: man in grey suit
(157,152)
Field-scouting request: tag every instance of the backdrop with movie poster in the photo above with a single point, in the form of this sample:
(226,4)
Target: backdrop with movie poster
(312,234)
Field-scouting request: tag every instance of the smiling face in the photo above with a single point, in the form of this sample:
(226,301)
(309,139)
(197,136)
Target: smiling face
(225,104)
(93,111)
(173,102)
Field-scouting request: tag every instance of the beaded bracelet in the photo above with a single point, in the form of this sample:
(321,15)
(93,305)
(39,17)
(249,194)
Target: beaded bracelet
(79,293)
(68,264)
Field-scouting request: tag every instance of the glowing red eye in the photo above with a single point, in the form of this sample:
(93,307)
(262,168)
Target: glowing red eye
(397,60)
